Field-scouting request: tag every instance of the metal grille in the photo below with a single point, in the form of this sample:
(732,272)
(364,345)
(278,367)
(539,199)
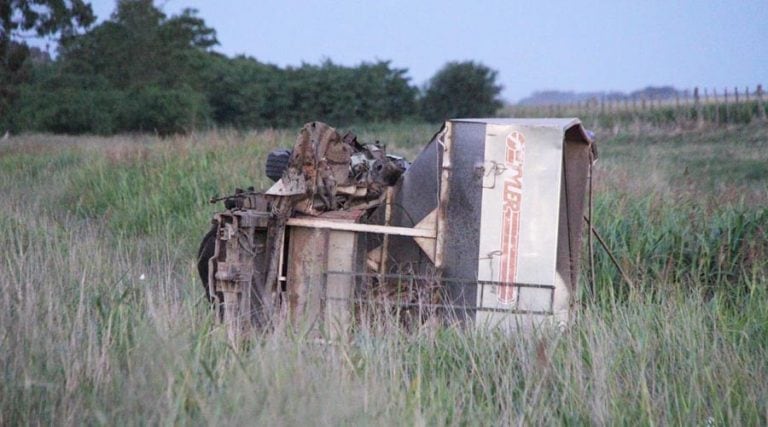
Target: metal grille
(365,280)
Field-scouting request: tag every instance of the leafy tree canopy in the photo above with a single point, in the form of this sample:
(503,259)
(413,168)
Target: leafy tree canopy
(461,89)
(23,19)
(139,46)
(142,70)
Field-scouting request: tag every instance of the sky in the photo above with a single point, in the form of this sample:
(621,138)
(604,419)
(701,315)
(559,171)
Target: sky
(534,45)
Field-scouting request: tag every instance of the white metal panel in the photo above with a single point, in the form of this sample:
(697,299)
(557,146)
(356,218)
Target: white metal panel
(519,219)
(339,287)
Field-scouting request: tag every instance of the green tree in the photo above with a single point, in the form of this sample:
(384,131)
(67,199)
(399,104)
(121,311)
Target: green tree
(68,103)
(149,69)
(21,19)
(241,91)
(345,95)
(461,89)
(140,46)
(382,92)
(247,93)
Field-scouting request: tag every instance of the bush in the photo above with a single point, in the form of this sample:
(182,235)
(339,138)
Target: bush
(165,111)
(69,110)
(75,110)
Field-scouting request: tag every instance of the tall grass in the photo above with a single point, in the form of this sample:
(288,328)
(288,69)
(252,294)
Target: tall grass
(102,318)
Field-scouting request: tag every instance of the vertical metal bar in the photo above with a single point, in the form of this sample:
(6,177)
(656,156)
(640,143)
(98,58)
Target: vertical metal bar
(275,291)
(610,254)
(387,221)
(232,317)
(482,293)
(281,210)
(552,301)
(444,141)
(324,285)
(235,308)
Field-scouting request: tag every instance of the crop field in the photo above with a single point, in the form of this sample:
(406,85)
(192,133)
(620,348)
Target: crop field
(103,319)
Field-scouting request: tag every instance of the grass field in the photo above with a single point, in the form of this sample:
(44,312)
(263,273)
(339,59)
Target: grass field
(102,319)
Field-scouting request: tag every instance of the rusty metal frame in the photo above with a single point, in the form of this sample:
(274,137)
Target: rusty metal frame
(430,234)
(361,228)
(387,222)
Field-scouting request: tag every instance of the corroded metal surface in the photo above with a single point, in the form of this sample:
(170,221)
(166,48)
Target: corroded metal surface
(330,172)
(484,227)
(237,270)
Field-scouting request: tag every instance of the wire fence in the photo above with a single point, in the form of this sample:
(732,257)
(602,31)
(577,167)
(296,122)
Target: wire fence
(694,108)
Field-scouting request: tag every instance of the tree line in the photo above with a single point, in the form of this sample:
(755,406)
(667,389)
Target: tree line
(141,70)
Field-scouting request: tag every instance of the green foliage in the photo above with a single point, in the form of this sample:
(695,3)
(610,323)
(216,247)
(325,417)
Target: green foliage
(246,93)
(138,71)
(42,17)
(74,104)
(342,95)
(165,111)
(684,245)
(241,92)
(667,115)
(104,322)
(141,70)
(140,46)
(461,89)
(70,111)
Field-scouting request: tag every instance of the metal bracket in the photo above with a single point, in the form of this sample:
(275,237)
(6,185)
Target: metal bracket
(490,172)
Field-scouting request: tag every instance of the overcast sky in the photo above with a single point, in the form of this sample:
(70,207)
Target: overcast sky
(534,45)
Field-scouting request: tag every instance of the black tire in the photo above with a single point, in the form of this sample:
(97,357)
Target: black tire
(277,163)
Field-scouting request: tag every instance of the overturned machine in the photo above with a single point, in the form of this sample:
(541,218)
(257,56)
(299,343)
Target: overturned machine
(484,228)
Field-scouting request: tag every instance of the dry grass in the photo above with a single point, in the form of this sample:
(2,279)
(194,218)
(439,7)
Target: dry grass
(84,339)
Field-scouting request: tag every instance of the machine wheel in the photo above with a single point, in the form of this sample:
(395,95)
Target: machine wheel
(277,163)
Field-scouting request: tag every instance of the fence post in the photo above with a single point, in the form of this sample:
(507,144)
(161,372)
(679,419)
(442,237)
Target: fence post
(705,107)
(697,107)
(716,105)
(760,103)
(602,105)
(736,94)
(727,107)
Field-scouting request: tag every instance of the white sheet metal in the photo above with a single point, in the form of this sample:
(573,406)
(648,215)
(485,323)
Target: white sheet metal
(519,219)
